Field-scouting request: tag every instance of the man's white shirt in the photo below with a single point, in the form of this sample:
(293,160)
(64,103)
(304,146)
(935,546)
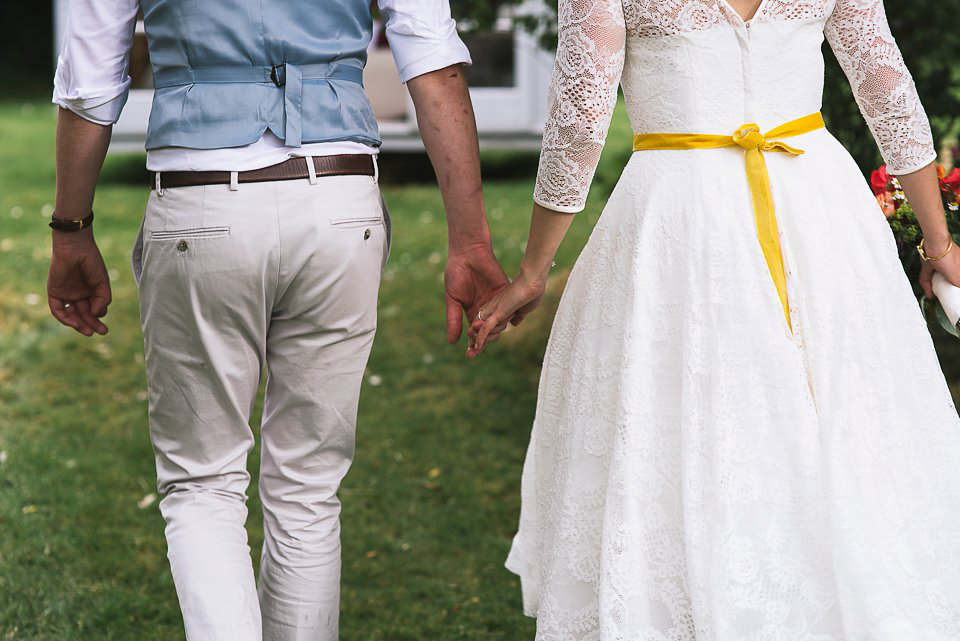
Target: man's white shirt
(93,79)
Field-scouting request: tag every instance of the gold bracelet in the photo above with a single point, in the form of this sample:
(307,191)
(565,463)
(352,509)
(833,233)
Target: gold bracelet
(923,253)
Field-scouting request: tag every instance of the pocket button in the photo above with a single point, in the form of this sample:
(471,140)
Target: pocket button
(182,245)
(366,234)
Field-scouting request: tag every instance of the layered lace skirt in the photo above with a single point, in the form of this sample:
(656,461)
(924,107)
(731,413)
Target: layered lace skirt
(699,472)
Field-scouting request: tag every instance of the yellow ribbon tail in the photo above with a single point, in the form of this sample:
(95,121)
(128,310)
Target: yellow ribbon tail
(754,144)
(768,233)
(782,146)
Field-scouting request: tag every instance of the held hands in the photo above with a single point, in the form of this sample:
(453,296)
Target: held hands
(472,277)
(511,304)
(547,229)
(78,288)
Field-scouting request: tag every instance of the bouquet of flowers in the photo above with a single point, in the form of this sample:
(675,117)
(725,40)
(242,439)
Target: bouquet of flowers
(907,231)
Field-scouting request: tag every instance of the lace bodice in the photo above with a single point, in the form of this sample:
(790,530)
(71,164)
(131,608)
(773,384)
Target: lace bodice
(697,66)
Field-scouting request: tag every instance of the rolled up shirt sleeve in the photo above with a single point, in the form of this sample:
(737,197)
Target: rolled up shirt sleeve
(92,78)
(422,35)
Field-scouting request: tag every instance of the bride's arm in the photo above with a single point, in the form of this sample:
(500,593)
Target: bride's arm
(859,34)
(547,229)
(922,189)
(582,97)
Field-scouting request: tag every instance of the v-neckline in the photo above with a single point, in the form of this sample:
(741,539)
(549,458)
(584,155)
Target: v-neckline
(746,22)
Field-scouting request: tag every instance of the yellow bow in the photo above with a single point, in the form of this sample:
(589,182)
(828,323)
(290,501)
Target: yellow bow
(749,137)
(754,143)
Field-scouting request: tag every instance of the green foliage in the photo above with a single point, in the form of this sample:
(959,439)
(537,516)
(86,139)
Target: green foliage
(906,230)
(26,47)
(479,15)
(930,47)
(905,225)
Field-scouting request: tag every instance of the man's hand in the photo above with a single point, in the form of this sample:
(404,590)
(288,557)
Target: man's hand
(78,287)
(449,132)
(473,276)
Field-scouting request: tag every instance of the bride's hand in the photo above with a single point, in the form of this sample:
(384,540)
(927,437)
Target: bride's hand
(948,266)
(512,304)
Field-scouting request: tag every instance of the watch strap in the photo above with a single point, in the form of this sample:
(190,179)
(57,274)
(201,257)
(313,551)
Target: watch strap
(63,224)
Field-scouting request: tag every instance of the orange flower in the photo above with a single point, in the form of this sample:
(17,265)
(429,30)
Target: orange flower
(885,200)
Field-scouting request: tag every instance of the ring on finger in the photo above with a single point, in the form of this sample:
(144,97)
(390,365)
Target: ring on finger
(479,315)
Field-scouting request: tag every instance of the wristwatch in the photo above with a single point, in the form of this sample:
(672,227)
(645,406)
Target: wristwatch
(63,224)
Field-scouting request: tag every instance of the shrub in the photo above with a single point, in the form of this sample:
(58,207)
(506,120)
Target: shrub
(925,30)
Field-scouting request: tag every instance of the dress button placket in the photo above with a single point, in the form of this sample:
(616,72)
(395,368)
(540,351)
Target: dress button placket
(797,335)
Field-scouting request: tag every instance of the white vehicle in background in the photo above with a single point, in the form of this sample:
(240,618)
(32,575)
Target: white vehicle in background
(508,85)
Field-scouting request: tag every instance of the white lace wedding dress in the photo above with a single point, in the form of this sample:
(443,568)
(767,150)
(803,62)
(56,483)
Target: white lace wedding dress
(698,471)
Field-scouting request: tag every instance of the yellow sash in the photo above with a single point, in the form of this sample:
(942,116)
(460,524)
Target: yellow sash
(749,137)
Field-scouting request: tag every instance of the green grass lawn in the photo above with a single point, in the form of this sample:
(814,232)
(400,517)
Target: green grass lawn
(432,500)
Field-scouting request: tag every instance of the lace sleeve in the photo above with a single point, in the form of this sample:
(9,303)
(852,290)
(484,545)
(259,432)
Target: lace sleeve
(583,94)
(860,37)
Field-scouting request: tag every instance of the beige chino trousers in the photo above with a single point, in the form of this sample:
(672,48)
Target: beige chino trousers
(282,275)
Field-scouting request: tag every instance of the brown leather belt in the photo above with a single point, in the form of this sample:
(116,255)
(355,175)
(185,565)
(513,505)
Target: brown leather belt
(292,169)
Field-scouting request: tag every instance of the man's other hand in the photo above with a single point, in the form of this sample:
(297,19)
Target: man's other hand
(78,287)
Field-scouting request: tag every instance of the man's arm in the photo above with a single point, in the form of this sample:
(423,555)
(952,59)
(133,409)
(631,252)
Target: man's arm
(449,131)
(78,288)
(430,58)
(91,86)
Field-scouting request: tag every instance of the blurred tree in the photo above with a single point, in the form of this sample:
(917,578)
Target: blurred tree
(926,31)
(26,47)
(481,14)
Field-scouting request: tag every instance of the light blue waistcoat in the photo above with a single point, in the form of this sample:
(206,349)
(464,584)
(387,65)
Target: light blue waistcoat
(227,70)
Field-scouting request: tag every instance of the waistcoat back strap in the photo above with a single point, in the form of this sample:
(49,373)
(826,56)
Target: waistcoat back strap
(287,76)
